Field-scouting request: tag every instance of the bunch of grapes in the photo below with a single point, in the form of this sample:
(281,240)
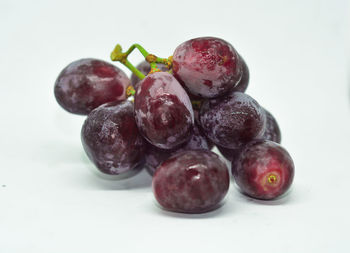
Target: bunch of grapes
(169,116)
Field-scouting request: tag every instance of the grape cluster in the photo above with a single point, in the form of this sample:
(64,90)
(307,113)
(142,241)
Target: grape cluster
(169,116)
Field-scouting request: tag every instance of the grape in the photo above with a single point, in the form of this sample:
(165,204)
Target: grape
(272,133)
(272,130)
(196,105)
(229,154)
(242,85)
(198,140)
(191,181)
(88,83)
(163,111)
(263,170)
(154,156)
(209,67)
(111,139)
(232,121)
(145,68)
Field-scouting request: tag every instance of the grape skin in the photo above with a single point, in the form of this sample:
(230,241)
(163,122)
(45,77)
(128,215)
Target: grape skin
(263,170)
(242,85)
(191,181)
(163,111)
(229,154)
(145,68)
(111,139)
(88,83)
(209,67)
(154,156)
(272,132)
(232,121)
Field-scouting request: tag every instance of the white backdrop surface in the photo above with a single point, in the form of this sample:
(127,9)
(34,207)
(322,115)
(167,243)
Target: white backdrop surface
(50,201)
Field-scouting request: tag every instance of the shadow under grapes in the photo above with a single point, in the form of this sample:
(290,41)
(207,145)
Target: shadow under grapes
(95,180)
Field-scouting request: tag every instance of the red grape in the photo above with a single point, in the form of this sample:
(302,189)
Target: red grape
(207,66)
(242,85)
(88,83)
(229,154)
(111,139)
(191,181)
(272,131)
(163,111)
(263,170)
(232,121)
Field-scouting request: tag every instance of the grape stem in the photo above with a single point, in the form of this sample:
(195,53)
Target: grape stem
(130,91)
(118,55)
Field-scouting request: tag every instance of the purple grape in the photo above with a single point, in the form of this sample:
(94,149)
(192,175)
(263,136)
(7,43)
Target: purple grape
(198,140)
(163,111)
(145,68)
(209,67)
(196,108)
(154,156)
(229,154)
(111,139)
(272,131)
(191,181)
(263,170)
(232,121)
(242,85)
(88,83)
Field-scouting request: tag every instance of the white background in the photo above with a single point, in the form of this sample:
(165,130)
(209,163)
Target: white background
(50,201)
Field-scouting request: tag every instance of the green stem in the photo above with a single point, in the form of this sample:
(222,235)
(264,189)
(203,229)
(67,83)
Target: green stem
(154,67)
(162,60)
(134,70)
(118,55)
(141,49)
